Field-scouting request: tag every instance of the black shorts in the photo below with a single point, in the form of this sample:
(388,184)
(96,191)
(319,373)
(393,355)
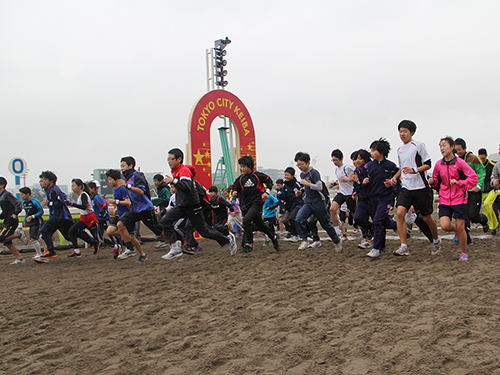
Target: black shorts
(147,217)
(8,230)
(35,225)
(459,211)
(421,200)
(114,220)
(341,199)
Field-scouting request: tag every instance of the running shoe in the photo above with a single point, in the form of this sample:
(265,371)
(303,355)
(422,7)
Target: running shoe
(276,243)
(295,238)
(364,244)
(49,254)
(456,240)
(96,248)
(374,253)
(22,236)
(355,230)
(247,248)
(127,253)
(402,251)
(142,258)
(486,228)
(233,247)
(175,251)
(116,251)
(382,250)
(338,246)
(304,245)
(75,254)
(18,261)
(266,242)
(161,245)
(463,257)
(344,237)
(436,247)
(316,244)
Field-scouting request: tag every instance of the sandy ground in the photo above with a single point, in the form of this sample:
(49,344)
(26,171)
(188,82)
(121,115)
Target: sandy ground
(288,312)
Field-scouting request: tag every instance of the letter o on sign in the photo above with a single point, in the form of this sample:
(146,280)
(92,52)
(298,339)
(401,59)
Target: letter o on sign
(18,166)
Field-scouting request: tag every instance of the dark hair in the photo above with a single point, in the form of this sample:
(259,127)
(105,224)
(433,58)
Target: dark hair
(461,142)
(49,176)
(381,145)
(177,152)
(354,155)
(3,182)
(25,190)
(302,156)
(83,185)
(158,177)
(364,155)
(280,181)
(129,160)
(246,160)
(482,151)
(410,125)
(290,170)
(448,139)
(114,174)
(92,185)
(213,189)
(338,154)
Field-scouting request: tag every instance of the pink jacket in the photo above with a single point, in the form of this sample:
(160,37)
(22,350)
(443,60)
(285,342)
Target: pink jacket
(458,169)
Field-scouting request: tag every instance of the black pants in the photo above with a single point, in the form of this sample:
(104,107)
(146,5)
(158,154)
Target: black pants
(50,227)
(474,208)
(195,215)
(254,216)
(78,230)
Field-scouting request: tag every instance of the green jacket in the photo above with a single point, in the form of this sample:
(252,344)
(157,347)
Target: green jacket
(164,195)
(476,164)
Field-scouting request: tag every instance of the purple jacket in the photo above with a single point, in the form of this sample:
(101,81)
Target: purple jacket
(458,169)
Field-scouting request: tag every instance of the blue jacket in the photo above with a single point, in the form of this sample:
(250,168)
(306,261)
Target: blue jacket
(363,191)
(269,208)
(378,172)
(121,194)
(140,202)
(57,206)
(287,194)
(100,207)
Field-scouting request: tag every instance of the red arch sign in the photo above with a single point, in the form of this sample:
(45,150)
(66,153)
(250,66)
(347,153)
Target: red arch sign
(213,104)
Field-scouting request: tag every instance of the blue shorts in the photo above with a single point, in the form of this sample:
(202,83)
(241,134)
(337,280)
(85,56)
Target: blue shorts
(458,211)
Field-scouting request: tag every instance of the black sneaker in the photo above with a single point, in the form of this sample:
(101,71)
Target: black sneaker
(188,250)
(49,254)
(276,243)
(247,248)
(96,247)
(486,228)
(494,232)
(142,258)
(289,235)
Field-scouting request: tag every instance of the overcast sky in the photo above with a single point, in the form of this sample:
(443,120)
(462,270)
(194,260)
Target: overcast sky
(83,83)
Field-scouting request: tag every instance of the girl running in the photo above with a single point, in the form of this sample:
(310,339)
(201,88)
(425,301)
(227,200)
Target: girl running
(452,177)
(88,219)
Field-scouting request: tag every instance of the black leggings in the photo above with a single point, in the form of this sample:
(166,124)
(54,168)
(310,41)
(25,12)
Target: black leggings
(77,230)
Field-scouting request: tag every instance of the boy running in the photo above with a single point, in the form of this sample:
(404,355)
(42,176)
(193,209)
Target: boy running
(121,203)
(32,218)
(314,202)
(414,161)
(59,215)
(11,207)
(255,188)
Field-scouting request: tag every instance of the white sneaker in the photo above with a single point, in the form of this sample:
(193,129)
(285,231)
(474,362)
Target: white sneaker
(402,251)
(374,253)
(436,247)
(304,245)
(22,236)
(364,244)
(316,244)
(233,248)
(127,253)
(295,238)
(338,246)
(18,261)
(175,251)
(161,245)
